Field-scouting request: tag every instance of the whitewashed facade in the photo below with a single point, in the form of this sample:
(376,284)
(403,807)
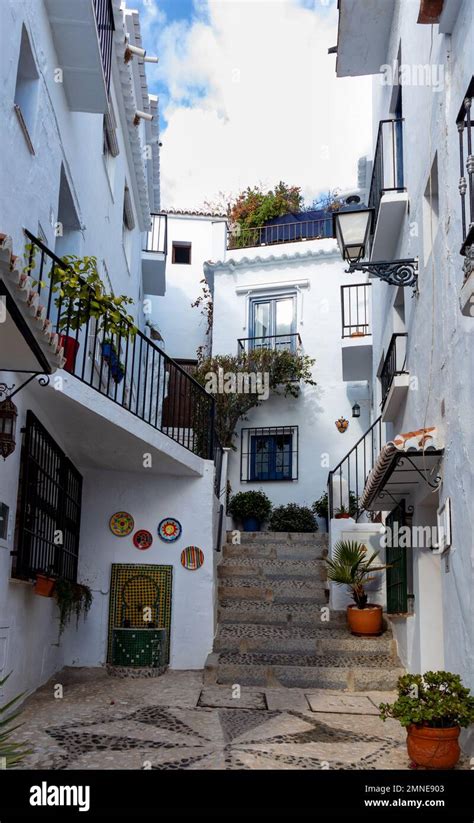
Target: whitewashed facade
(81,173)
(423,73)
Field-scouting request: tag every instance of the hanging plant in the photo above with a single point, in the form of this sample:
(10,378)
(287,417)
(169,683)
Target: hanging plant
(72,598)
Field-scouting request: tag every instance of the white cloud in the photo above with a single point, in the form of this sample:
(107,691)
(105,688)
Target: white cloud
(253,98)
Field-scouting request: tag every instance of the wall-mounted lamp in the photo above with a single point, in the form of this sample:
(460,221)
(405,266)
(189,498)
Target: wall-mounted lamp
(356,410)
(342,425)
(8,415)
(141,115)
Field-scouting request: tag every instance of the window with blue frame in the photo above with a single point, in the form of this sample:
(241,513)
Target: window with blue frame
(269,454)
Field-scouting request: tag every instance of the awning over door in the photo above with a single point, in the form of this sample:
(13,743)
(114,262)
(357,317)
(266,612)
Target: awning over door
(410,459)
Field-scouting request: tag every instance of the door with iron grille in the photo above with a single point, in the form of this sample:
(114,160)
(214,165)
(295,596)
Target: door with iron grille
(396,556)
(49,507)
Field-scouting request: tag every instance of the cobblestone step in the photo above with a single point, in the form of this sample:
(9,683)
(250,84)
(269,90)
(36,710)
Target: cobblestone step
(354,674)
(254,637)
(266,612)
(274,591)
(276,550)
(269,568)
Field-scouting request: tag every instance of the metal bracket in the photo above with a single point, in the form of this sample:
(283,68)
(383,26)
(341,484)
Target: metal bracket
(6,392)
(395,273)
(423,474)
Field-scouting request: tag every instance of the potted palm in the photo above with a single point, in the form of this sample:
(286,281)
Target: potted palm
(432,707)
(351,566)
(251,508)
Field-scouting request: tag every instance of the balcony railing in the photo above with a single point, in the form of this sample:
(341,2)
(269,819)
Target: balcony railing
(347,480)
(126,367)
(275,342)
(238,237)
(466,167)
(105,28)
(355,310)
(394,363)
(157,237)
(387,174)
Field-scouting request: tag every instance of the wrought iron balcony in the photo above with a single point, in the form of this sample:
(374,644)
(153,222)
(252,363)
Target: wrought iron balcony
(347,480)
(387,173)
(126,367)
(275,342)
(104,16)
(466,170)
(355,310)
(394,363)
(282,232)
(157,237)
(154,256)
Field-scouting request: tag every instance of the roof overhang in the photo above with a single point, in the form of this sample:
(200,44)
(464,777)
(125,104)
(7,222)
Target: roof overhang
(403,465)
(363,36)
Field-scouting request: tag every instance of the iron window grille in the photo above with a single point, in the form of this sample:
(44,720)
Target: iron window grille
(104,16)
(466,167)
(49,507)
(388,173)
(395,362)
(269,454)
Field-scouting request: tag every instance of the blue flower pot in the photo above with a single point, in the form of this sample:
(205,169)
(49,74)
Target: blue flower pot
(251,524)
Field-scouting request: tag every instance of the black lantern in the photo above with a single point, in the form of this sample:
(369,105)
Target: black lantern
(8,415)
(356,410)
(352,231)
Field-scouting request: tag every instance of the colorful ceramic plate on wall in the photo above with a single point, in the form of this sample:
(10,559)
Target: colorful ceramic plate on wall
(121,524)
(192,558)
(169,529)
(142,539)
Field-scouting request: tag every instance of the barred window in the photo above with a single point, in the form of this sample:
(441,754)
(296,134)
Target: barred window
(269,454)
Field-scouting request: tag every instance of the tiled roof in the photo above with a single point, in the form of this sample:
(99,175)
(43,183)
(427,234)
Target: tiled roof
(271,260)
(21,288)
(194,213)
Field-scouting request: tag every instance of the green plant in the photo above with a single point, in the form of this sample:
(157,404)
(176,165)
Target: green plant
(80,294)
(11,753)
(320,506)
(292,518)
(352,508)
(284,368)
(253,207)
(250,504)
(72,598)
(434,699)
(350,566)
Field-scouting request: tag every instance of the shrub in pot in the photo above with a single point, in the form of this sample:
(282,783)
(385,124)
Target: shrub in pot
(251,508)
(351,566)
(350,510)
(292,518)
(321,508)
(432,707)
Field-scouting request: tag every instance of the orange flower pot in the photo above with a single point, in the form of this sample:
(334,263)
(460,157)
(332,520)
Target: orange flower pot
(365,622)
(342,516)
(433,748)
(44,585)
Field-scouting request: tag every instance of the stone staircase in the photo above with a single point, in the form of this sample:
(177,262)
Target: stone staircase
(272,602)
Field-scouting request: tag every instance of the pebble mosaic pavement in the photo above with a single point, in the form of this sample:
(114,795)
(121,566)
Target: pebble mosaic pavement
(174,722)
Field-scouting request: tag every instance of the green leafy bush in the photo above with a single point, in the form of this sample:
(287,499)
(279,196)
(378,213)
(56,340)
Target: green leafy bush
(320,506)
(250,504)
(11,753)
(292,518)
(434,699)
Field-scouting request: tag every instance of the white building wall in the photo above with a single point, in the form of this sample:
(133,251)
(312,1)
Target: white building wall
(315,411)
(440,359)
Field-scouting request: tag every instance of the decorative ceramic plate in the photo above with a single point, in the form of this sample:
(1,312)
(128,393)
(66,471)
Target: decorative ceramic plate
(192,558)
(142,539)
(169,529)
(121,524)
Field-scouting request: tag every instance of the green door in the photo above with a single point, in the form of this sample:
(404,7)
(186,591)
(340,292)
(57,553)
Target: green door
(396,578)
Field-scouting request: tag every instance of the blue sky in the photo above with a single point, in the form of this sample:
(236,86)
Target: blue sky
(248,95)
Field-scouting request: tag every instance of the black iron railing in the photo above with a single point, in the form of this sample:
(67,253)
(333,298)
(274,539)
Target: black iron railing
(275,342)
(157,237)
(466,167)
(394,363)
(104,16)
(238,237)
(124,365)
(355,310)
(387,174)
(218,457)
(347,480)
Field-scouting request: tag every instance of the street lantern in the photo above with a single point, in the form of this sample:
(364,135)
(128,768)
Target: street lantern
(352,232)
(356,410)
(8,415)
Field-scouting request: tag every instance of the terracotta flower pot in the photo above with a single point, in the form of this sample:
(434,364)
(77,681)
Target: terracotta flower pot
(70,346)
(44,585)
(366,621)
(342,516)
(433,748)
